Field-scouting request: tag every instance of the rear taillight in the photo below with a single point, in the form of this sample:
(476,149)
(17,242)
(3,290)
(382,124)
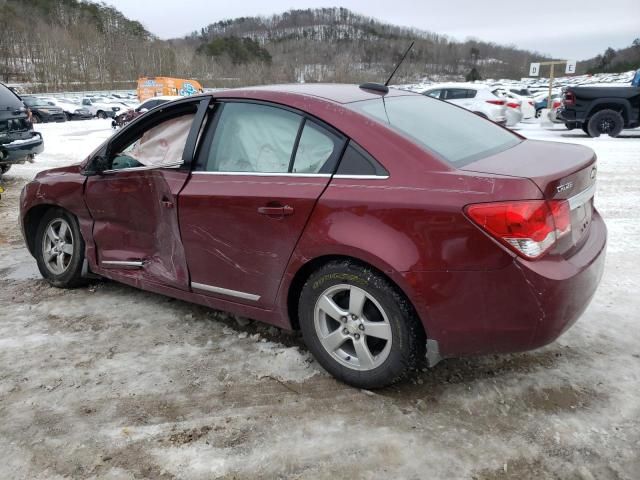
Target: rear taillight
(513,105)
(529,228)
(569,98)
(556,104)
(496,102)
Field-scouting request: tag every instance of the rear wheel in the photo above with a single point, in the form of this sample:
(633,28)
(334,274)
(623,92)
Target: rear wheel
(59,249)
(358,326)
(101,114)
(607,122)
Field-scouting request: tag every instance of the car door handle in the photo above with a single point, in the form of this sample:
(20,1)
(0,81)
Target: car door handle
(166,203)
(276,211)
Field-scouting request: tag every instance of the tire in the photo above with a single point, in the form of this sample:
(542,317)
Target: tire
(4,168)
(396,343)
(538,112)
(101,114)
(67,115)
(584,128)
(607,122)
(66,273)
(570,126)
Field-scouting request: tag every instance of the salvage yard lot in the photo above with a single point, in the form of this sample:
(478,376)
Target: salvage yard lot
(108,381)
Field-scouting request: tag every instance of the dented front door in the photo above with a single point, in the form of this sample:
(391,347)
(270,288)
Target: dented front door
(134,202)
(135,227)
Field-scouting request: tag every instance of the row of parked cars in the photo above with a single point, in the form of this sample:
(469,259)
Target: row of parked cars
(60,109)
(502,103)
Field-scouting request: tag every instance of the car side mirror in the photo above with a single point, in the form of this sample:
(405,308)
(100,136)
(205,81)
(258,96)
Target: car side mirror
(96,166)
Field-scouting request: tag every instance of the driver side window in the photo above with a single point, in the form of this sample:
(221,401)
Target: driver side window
(159,146)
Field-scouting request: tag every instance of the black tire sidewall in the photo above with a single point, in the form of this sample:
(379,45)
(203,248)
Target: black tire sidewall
(408,343)
(71,277)
(593,125)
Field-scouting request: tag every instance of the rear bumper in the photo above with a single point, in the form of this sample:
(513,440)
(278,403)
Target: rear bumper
(18,152)
(522,307)
(570,116)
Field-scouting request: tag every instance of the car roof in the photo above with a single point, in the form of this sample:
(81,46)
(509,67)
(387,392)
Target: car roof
(333,92)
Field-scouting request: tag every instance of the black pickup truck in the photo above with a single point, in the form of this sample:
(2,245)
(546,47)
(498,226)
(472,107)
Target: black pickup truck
(601,110)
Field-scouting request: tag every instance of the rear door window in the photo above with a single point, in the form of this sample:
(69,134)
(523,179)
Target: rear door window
(252,137)
(318,150)
(433,93)
(456,94)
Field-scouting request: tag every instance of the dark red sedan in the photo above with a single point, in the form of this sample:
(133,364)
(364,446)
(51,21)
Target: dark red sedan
(384,225)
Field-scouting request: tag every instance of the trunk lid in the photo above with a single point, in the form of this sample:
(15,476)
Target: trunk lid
(561,171)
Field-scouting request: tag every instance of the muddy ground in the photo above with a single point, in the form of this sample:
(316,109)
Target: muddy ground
(107,381)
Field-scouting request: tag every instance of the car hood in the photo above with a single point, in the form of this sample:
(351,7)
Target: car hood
(56,172)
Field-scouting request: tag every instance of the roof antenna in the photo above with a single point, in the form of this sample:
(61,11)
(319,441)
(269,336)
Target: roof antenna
(385,88)
(386,84)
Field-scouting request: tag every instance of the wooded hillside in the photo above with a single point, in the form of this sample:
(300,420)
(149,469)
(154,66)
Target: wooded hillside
(69,44)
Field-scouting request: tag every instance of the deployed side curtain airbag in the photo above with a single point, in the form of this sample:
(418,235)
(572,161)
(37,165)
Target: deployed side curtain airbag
(164,143)
(254,138)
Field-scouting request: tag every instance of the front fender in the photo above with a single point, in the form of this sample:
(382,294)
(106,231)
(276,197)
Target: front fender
(60,187)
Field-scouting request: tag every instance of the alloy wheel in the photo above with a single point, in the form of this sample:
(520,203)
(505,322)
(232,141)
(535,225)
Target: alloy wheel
(57,246)
(353,327)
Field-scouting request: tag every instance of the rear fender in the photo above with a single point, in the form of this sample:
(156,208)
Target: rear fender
(620,105)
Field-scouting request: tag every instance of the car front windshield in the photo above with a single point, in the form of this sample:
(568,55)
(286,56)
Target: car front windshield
(455,135)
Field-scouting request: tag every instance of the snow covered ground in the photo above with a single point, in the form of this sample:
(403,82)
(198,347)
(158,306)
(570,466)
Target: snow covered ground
(111,382)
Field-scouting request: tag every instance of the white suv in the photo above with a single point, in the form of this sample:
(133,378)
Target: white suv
(477,98)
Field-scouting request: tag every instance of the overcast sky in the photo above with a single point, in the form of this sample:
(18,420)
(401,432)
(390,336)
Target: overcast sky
(565,30)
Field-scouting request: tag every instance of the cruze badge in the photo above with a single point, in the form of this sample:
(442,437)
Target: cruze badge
(564,187)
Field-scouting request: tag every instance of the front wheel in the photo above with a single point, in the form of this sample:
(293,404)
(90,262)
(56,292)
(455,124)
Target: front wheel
(358,326)
(607,122)
(101,115)
(59,249)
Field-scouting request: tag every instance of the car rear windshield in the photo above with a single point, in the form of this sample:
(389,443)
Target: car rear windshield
(456,135)
(8,99)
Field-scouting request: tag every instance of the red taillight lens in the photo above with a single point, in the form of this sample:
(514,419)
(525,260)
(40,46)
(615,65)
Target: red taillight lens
(530,228)
(496,102)
(513,105)
(556,103)
(569,98)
